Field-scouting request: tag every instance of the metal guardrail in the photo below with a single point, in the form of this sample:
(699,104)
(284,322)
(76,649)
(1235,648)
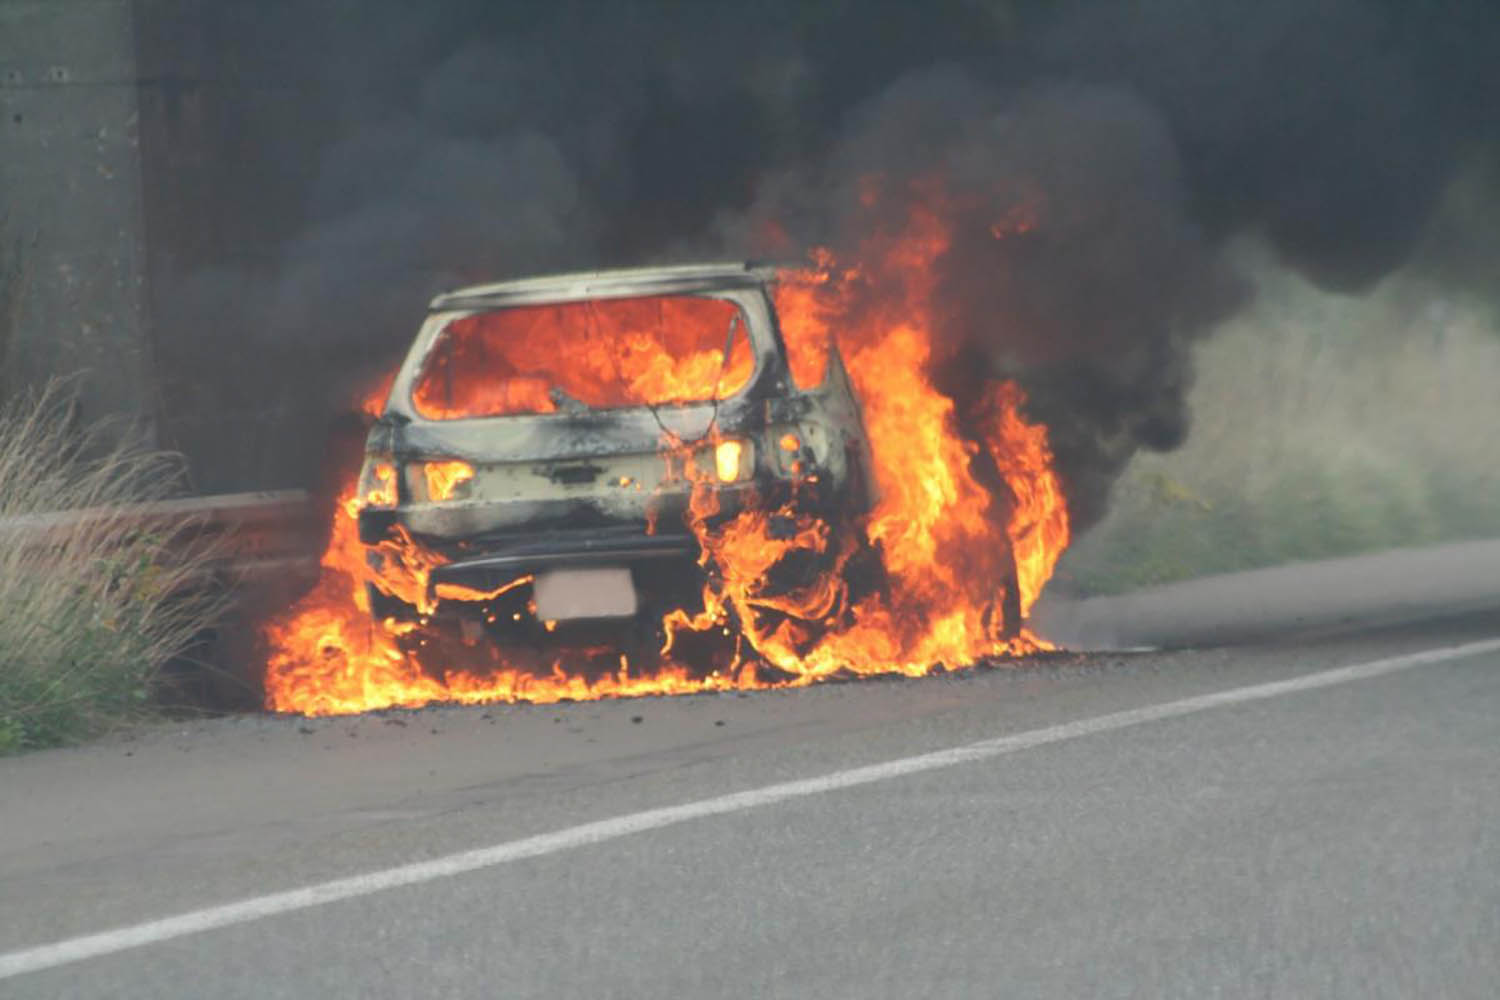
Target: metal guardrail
(252,536)
(261,547)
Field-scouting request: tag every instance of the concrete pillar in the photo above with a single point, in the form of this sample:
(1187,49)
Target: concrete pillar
(71,222)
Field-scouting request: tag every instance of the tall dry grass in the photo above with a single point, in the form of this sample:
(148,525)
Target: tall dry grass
(1323,425)
(92,605)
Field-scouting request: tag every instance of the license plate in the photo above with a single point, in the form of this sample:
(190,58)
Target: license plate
(563,594)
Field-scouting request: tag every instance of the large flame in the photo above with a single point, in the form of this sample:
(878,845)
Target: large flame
(943,539)
(619,352)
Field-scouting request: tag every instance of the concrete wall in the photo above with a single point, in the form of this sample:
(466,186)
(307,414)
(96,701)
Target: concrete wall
(71,221)
(231,131)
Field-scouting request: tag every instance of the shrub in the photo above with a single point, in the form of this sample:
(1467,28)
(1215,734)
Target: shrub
(92,604)
(1323,425)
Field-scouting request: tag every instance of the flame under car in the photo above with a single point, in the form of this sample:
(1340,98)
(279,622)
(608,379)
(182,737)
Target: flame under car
(549,444)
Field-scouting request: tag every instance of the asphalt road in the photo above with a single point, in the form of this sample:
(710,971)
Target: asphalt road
(1341,840)
(1379,589)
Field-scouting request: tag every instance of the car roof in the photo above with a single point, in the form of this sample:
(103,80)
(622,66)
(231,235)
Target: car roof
(611,283)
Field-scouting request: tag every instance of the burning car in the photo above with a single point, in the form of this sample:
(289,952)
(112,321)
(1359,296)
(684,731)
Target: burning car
(664,481)
(553,449)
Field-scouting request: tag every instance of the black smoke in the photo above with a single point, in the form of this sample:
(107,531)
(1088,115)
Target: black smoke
(1074,265)
(321,167)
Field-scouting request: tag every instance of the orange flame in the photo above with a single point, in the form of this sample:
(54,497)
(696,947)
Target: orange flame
(443,478)
(614,352)
(945,542)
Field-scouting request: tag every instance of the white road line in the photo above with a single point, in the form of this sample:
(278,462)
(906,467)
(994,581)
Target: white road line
(78,949)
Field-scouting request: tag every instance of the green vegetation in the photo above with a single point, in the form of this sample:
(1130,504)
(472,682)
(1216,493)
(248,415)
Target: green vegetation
(1324,425)
(91,606)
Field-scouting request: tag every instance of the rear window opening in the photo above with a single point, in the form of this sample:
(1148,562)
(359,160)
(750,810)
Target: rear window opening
(595,354)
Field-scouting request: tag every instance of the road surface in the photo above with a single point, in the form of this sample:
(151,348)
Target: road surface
(1307,817)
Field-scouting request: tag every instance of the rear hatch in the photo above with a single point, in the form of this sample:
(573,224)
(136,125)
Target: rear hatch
(572,416)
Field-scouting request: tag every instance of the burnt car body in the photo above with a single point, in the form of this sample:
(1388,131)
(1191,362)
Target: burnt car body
(566,475)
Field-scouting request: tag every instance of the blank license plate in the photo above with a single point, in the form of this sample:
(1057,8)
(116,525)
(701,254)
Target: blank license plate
(562,594)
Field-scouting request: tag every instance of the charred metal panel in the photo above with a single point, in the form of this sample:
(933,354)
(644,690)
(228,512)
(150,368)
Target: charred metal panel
(597,486)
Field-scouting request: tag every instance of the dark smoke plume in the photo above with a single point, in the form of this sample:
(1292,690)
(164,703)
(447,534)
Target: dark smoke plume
(1073,264)
(363,155)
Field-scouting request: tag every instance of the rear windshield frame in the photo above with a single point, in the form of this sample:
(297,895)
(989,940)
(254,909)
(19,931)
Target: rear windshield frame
(748,332)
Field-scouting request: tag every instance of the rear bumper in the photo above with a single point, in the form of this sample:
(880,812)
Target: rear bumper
(572,534)
(504,561)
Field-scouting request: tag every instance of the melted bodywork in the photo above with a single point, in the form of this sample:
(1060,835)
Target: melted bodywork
(499,497)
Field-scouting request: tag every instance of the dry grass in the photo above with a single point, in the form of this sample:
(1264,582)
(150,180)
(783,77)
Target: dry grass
(90,607)
(1324,425)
